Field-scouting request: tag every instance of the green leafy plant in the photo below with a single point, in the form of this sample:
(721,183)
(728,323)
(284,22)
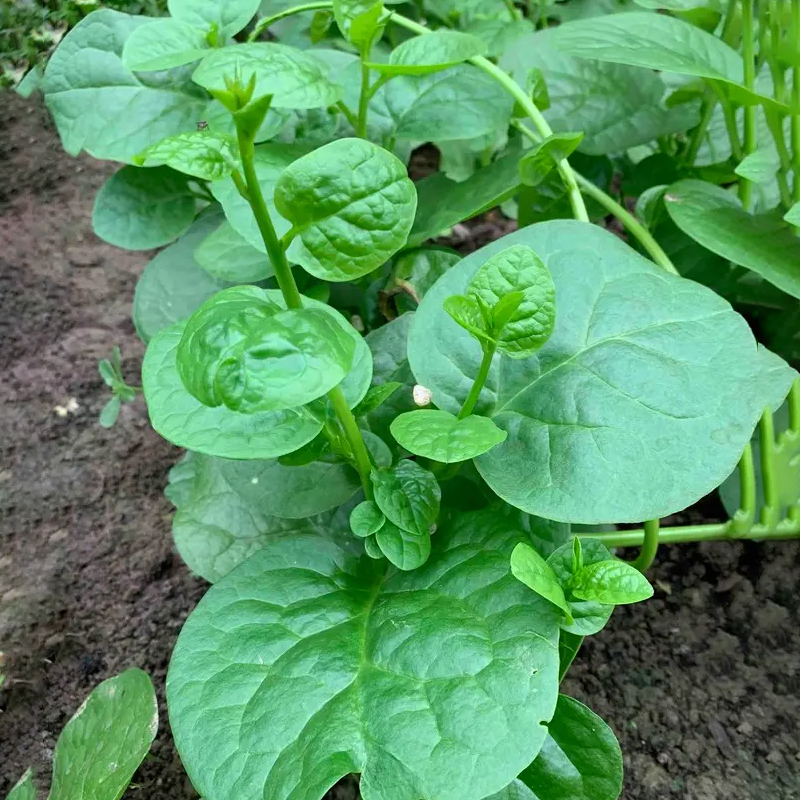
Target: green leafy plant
(391,447)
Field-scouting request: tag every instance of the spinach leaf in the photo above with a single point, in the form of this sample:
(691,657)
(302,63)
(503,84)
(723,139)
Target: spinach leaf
(420,645)
(351,205)
(438,50)
(408,495)
(613,582)
(443,437)
(580,757)
(102,108)
(164,44)
(543,157)
(227,255)
(366,518)
(139,209)
(531,569)
(24,788)
(227,18)
(202,154)
(639,361)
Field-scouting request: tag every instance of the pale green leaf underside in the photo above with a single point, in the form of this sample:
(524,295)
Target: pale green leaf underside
(351,204)
(714,218)
(163,44)
(105,741)
(139,209)
(227,255)
(293,78)
(99,106)
(306,664)
(201,154)
(435,51)
(580,758)
(640,402)
(443,437)
(229,17)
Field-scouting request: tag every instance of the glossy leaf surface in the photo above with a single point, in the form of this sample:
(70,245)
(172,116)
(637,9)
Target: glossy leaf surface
(443,437)
(103,744)
(24,788)
(139,209)
(531,569)
(543,157)
(639,363)
(351,204)
(202,154)
(436,51)
(406,550)
(408,495)
(228,17)
(453,664)
(366,519)
(714,218)
(227,255)
(163,44)
(612,582)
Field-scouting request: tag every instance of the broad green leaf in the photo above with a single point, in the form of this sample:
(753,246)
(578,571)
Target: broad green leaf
(758,167)
(270,162)
(458,103)
(239,349)
(139,209)
(366,518)
(714,218)
(408,495)
(792,216)
(217,527)
(202,154)
(639,362)
(31,83)
(545,534)
(220,121)
(24,788)
(293,78)
(173,284)
(320,25)
(415,271)
(580,758)
(371,548)
(543,157)
(102,108)
(568,646)
(291,492)
(518,269)
(351,205)
(110,412)
(444,203)
(375,397)
(164,44)
(228,17)
(226,254)
(499,34)
(531,569)
(456,648)
(441,436)
(105,741)
(436,51)
(407,551)
(616,106)
(186,422)
(613,582)
(359,22)
(589,616)
(661,42)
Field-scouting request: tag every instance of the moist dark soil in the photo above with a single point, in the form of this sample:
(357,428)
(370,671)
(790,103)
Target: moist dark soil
(701,684)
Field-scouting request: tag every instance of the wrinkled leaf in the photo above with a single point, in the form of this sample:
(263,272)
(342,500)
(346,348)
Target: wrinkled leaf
(351,205)
(580,758)
(139,209)
(366,518)
(714,218)
(103,744)
(375,397)
(202,154)
(531,569)
(612,582)
(436,51)
(457,647)
(163,44)
(443,437)
(638,404)
(407,551)
(408,495)
(468,314)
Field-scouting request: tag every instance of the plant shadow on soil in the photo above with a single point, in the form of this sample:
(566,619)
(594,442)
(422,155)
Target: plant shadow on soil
(701,684)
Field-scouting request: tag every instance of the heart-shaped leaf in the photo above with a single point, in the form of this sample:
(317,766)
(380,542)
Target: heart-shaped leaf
(139,209)
(639,362)
(436,51)
(239,349)
(456,649)
(351,205)
(443,437)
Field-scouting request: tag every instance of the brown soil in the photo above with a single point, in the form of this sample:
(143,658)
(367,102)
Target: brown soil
(701,684)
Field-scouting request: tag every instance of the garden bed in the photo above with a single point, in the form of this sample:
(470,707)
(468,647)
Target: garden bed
(701,684)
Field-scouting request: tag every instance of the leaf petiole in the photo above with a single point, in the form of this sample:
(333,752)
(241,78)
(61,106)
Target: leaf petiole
(483,373)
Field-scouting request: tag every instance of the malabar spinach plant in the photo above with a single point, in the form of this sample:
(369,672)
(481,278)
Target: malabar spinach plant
(390,448)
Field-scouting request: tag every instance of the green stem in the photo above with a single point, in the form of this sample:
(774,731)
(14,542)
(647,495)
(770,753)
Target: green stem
(709,104)
(794,407)
(539,122)
(349,115)
(730,122)
(351,430)
(265,22)
(745,516)
(795,120)
(650,546)
(775,127)
(277,255)
(291,294)
(480,380)
(766,438)
(513,10)
(363,103)
(750,131)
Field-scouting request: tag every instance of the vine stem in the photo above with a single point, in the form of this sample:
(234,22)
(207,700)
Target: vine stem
(633,226)
(480,381)
(363,103)
(750,132)
(649,547)
(251,189)
(265,22)
(795,120)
